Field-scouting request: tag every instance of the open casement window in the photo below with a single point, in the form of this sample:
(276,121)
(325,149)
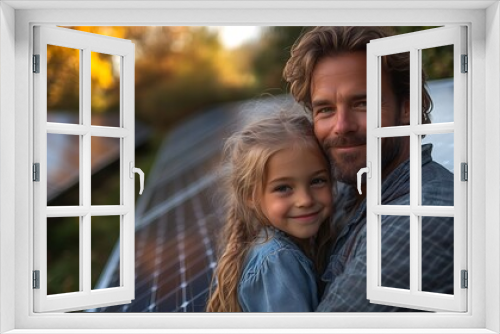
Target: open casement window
(83,138)
(419,217)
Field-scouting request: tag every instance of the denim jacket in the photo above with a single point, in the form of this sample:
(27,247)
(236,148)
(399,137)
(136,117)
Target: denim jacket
(277,277)
(346,273)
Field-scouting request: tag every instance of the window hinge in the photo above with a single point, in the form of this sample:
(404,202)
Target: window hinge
(464,171)
(465,279)
(36,172)
(36,63)
(465,64)
(36,279)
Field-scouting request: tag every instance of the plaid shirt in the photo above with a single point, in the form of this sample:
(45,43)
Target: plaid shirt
(345,276)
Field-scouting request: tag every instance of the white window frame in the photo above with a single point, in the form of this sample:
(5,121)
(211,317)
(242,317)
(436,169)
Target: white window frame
(16,21)
(413,44)
(85,297)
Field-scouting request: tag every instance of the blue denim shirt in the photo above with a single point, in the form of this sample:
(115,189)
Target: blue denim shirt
(277,277)
(346,272)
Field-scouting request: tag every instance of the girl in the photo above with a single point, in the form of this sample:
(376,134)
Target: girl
(279,199)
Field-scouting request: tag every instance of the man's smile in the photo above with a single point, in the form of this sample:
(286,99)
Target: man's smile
(349,148)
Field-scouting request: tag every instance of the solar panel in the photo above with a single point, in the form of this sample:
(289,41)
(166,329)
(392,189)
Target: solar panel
(177,219)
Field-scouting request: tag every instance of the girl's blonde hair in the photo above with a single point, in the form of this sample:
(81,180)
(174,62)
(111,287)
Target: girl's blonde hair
(245,157)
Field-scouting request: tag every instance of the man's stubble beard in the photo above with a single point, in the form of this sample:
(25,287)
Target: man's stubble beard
(347,171)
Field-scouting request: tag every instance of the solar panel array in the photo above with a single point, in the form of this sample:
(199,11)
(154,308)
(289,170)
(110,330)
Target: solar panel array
(177,216)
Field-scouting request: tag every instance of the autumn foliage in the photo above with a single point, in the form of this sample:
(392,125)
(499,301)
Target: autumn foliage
(178,71)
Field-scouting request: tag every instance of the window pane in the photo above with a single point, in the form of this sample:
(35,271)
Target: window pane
(440,147)
(438,66)
(437,254)
(105,236)
(105,74)
(391,148)
(390,106)
(105,171)
(395,238)
(63,255)
(63,84)
(63,169)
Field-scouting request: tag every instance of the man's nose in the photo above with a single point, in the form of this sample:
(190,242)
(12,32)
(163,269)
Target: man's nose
(345,121)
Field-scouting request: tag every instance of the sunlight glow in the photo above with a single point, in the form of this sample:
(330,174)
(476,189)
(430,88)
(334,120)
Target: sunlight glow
(234,36)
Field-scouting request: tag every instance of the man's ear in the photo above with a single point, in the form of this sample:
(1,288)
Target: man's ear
(405,112)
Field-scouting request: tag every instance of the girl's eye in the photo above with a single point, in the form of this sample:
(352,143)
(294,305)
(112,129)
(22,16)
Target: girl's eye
(319,181)
(282,189)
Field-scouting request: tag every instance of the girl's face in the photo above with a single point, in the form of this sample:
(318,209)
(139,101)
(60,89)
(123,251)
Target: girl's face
(297,193)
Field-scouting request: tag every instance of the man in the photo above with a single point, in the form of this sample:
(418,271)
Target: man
(327,75)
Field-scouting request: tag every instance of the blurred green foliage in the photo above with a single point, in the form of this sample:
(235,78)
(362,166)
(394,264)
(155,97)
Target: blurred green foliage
(63,240)
(273,51)
(437,62)
(271,55)
(182,70)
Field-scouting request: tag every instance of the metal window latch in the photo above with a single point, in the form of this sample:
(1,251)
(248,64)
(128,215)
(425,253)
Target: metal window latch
(133,170)
(36,172)
(368,171)
(465,279)
(36,63)
(464,171)
(36,279)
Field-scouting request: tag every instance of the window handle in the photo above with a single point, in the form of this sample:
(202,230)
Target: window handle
(366,170)
(141,175)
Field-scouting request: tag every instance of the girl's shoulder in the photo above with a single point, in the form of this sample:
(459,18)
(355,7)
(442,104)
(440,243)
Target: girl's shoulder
(272,240)
(277,277)
(274,248)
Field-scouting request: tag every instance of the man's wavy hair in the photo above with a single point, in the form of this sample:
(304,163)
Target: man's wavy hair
(322,42)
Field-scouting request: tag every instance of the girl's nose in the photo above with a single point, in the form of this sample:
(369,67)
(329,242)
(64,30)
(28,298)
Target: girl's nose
(304,199)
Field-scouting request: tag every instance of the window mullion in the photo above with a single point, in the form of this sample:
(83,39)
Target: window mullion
(415,103)
(127,276)
(405,210)
(373,184)
(422,129)
(85,160)
(460,155)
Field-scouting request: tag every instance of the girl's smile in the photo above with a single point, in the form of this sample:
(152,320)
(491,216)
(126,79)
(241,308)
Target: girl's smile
(306,217)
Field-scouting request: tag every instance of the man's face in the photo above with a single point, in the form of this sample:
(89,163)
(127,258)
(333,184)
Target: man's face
(338,96)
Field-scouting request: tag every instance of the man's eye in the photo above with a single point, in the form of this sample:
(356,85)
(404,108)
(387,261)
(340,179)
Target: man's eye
(360,104)
(324,110)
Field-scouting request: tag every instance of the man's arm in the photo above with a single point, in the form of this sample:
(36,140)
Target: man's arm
(347,290)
